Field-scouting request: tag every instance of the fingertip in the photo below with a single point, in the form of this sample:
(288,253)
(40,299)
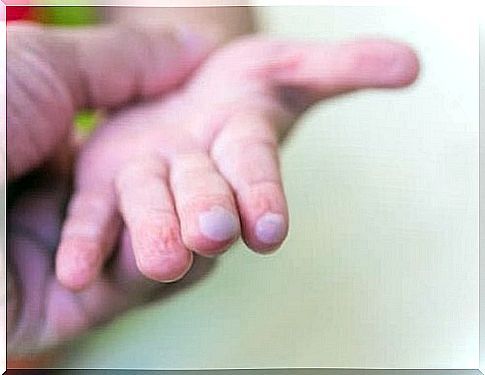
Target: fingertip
(207,248)
(398,62)
(409,67)
(166,268)
(79,269)
(270,228)
(73,282)
(218,224)
(267,233)
(206,208)
(217,229)
(264,216)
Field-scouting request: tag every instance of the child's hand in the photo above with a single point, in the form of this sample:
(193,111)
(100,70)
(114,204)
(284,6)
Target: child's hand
(194,170)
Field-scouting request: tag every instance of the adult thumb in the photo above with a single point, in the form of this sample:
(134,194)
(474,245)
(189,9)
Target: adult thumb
(53,72)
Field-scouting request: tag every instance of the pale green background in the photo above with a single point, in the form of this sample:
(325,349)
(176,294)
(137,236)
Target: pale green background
(381,265)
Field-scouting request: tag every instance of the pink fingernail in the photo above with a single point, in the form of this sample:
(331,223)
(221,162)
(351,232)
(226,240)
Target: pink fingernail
(218,224)
(270,228)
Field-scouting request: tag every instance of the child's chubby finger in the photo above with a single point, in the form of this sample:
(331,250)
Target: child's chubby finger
(245,152)
(150,216)
(205,204)
(88,237)
(331,69)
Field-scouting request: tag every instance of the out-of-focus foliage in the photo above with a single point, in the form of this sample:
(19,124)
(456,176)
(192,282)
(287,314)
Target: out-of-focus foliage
(86,121)
(67,15)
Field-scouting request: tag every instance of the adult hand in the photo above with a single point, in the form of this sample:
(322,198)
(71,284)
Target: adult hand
(53,72)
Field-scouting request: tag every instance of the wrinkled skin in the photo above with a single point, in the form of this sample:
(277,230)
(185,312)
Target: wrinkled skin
(190,172)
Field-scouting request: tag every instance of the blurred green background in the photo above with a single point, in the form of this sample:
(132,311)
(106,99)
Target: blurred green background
(66,15)
(381,265)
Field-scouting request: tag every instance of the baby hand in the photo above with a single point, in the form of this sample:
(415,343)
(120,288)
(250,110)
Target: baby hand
(192,171)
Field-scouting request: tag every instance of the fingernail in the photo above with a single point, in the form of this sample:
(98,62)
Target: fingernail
(270,228)
(218,224)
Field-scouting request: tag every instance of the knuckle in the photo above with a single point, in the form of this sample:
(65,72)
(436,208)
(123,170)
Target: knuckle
(169,237)
(158,232)
(264,195)
(149,169)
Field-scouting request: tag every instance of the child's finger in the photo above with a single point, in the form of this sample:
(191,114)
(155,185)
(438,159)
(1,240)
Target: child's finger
(87,239)
(328,70)
(205,204)
(149,213)
(246,154)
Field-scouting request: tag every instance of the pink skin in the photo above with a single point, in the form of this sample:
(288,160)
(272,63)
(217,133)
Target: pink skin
(190,171)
